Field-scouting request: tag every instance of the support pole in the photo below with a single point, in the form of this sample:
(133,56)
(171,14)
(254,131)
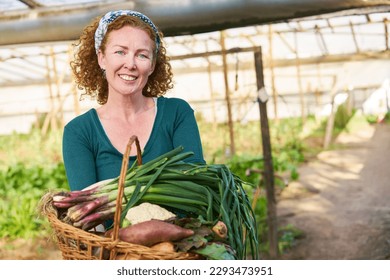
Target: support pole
(271,67)
(210,74)
(227,95)
(299,79)
(76,99)
(268,165)
(330,123)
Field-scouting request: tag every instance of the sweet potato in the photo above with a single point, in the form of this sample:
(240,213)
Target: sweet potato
(127,257)
(166,246)
(152,232)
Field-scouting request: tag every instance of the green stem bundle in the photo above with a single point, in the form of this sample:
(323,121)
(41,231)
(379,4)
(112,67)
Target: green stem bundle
(210,191)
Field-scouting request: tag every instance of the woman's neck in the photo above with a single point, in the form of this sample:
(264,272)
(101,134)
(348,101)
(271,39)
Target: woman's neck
(126,108)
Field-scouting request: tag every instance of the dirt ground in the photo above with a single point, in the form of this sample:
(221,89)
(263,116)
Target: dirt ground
(340,203)
(342,200)
(37,249)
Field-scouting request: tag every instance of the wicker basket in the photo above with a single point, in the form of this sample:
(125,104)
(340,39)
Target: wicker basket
(78,244)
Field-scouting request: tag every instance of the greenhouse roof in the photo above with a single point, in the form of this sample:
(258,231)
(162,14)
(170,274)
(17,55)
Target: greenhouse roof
(31,21)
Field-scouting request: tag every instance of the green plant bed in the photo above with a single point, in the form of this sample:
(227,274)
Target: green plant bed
(21,188)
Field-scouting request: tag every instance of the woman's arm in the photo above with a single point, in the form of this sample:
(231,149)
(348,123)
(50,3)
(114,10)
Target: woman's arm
(186,133)
(78,159)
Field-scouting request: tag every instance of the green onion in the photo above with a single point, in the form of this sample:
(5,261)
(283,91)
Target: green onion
(210,191)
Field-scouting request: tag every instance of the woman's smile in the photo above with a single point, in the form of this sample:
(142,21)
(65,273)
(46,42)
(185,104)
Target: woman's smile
(128,77)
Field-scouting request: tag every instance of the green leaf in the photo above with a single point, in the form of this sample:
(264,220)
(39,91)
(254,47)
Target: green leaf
(215,251)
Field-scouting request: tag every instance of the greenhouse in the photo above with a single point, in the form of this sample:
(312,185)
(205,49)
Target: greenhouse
(293,96)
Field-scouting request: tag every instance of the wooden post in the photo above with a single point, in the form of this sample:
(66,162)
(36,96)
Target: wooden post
(76,99)
(209,71)
(49,117)
(330,122)
(227,95)
(299,78)
(385,22)
(271,67)
(267,153)
(59,116)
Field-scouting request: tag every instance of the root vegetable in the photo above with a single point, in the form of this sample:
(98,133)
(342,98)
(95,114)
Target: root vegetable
(126,257)
(166,246)
(211,191)
(151,232)
(220,229)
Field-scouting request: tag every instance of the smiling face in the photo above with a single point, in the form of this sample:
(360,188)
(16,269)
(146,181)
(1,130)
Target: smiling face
(128,60)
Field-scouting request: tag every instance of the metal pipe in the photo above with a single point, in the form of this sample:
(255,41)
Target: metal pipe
(173,17)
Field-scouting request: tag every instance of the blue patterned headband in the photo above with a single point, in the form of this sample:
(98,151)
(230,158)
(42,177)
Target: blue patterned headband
(113,15)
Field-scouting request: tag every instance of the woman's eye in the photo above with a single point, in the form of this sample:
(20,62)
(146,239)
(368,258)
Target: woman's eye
(120,52)
(143,56)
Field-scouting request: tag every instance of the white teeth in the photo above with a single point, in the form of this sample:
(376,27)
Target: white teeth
(127,78)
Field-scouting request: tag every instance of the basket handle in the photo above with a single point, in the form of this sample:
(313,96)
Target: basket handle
(121,183)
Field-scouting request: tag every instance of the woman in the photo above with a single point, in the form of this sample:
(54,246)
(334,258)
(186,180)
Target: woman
(121,60)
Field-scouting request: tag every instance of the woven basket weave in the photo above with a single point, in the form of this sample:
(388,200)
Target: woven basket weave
(78,244)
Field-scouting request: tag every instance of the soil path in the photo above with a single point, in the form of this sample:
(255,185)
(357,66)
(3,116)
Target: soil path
(342,200)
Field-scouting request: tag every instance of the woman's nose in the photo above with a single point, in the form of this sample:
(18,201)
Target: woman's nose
(130,62)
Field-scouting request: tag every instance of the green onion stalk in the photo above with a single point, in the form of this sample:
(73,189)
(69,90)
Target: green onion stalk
(211,192)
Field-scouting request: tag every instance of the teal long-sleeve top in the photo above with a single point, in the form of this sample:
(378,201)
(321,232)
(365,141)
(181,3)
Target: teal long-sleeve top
(89,156)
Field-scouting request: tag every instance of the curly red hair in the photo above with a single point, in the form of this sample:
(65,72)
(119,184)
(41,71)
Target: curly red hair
(90,78)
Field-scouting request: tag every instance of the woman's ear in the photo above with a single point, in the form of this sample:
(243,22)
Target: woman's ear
(101,60)
(152,68)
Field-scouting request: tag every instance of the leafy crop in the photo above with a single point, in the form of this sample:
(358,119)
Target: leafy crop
(21,188)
